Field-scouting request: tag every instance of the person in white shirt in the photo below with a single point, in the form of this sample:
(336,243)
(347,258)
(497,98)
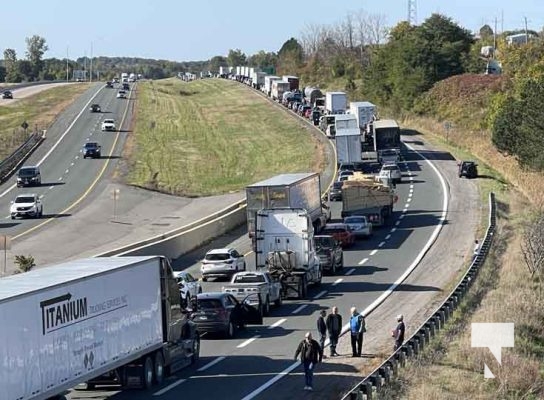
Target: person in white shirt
(476,249)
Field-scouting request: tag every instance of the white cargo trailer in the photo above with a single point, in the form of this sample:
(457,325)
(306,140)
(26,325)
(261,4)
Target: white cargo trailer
(336,102)
(364,111)
(108,320)
(348,146)
(268,83)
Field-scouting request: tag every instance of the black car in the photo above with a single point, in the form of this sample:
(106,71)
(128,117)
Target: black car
(6,94)
(126,86)
(218,312)
(336,191)
(95,108)
(330,253)
(29,176)
(468,169)
(109,84)
(92,150)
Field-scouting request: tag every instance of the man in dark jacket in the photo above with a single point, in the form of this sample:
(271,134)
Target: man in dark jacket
(310,354)
(334,327)
(322,328)
(398,332)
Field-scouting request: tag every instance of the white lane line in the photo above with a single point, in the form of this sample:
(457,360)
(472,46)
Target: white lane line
(277,323)
(409,199)
(403,215)
(388,237)
(411,178)
(72,164)
(244,344)
(389,290)
(393,230)
(373,252)
(364,260)
(169,387)
(397,223)
(336,282)
(411,186)
(66,171)
(51,187)
(211,364)
(58,141)
(60,179)
(411,192)
(299,309)
(404,210)
(320,294)
(381,244)
(351,271)
(77,157)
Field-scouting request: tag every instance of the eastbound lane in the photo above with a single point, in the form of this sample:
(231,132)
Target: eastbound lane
(66,176)
(257,355)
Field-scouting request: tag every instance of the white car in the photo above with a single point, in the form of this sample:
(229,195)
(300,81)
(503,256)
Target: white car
(188,285)
(26,205)
(389,171)
(121,94)
(222,263)
(108,125)
(359,225)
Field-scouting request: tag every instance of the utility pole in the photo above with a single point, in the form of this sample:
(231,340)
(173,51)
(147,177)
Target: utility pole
(526,31)
(495,38)
(502,21)
(85,65)
(91,72)
(67,69)
(412,12)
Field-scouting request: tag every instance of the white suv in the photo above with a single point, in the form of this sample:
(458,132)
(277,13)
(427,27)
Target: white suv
(222,263)
(108,125)
(26,205)
(389,171)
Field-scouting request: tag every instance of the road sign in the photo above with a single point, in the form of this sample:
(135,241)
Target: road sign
(24,125)
(5,242)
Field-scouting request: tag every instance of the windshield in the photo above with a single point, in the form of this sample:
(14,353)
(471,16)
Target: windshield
(24,199)
(390,168)
(337,185)
(249,279)
(27,172)
(108,121)
(90,145)
(217,257)
(209,304)
(324,242)
(355,220)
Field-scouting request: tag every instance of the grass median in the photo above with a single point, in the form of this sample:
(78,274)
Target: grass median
(212,136)
(38,110)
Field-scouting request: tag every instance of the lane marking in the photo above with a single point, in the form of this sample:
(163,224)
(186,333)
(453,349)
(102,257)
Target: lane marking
(393,230)
(320,294)
(411,186)
(389,236)
(299,309)
(409,199)
(277,323)
(60,179)
(66,171)
(391,288)
(373,252)
(351,271)
(336,282)
(211,364)
(10,188)
(397,223)
(244,344)
(364,260)
(381,244)
(51,187)
(169,387)
(403,215)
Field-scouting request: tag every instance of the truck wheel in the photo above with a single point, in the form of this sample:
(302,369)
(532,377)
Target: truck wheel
(196,349)
(147,373)
(159,368)
(204,279)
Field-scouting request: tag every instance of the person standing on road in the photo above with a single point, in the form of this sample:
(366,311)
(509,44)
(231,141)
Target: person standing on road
(310,354)
(334,327)
(357,326)
(476,251)
(398,332)
(322,328)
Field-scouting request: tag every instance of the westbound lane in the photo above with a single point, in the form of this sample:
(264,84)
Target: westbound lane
(66,176)
(255,356)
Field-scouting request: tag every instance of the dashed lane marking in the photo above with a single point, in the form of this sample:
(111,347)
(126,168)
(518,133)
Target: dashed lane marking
(351,271)
(373,252)
(320,294)
(299,309)
(244,344)
(277,323)
(211,364)
(364,260)
(336,282)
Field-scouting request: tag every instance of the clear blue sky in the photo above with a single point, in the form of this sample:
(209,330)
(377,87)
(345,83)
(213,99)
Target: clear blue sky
(183,30)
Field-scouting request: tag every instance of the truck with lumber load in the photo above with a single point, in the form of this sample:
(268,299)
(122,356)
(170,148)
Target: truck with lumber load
(386,137)
(336,102)
(278,89)
(104,320)
(361,195)
(285,248)
(300,190)
(247,283)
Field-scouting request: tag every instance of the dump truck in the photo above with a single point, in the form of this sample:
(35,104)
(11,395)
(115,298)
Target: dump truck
(362,195)
(104,320)
(285,248)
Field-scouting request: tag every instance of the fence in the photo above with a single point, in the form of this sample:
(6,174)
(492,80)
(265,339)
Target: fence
(382,375)
(8,166)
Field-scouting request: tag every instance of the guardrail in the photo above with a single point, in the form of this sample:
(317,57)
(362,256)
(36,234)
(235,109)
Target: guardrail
(382,375)
(8,166)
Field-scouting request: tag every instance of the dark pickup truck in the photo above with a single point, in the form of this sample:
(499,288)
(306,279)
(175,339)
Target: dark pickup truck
(330,253)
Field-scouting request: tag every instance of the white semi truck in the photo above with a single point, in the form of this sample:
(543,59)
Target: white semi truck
(105,320)
(285,248)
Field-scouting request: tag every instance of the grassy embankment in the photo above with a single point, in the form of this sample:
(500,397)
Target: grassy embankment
(503,292)
(211,137)
(39,110)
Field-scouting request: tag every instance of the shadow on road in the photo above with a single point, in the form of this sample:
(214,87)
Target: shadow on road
(53,183)
(47,216)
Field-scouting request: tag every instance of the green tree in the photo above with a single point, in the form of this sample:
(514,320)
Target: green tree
(290,57)
(236,58)
(10,63)
(263,60)
(36,48)
(216,62)
(486,32)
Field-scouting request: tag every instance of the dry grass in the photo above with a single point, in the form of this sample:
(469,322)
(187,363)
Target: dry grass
(213,136)
(39,111)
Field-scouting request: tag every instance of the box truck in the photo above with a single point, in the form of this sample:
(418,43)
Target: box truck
(268,83)
(278,89)
(104,320)
(301,190)
(364,111)
(348,146)
(336,102)
(293,81)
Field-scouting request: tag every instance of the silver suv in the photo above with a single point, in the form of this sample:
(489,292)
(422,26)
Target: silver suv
(390,171)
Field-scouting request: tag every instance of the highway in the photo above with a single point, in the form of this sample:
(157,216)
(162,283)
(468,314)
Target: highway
(247,364)
(66,177)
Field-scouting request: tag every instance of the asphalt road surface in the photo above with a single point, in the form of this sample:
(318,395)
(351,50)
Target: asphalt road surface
(245,367)
(22,92)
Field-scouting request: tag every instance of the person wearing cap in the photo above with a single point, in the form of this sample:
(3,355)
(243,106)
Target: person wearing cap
(398,332)
(322,328)
(357,328)
(310,354)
